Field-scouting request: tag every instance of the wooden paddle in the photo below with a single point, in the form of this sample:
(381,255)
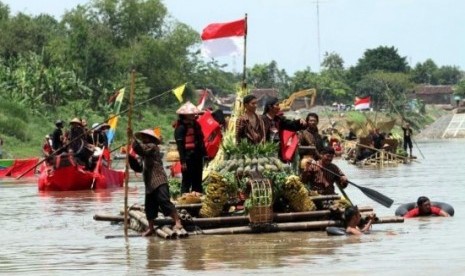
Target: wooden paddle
(375,195)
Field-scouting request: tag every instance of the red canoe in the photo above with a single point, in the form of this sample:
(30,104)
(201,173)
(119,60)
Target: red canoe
(72,177)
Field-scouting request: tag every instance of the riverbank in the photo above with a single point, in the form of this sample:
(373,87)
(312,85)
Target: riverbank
(430,125)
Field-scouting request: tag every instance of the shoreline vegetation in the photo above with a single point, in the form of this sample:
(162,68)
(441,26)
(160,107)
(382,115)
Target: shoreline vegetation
(23,133)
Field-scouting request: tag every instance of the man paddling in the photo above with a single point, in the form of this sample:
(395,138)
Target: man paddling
(322,174)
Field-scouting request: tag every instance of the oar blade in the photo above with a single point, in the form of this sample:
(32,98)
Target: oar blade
(375,195)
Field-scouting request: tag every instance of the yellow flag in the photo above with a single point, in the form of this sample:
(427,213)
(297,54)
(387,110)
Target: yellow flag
(178,92)
(157,131)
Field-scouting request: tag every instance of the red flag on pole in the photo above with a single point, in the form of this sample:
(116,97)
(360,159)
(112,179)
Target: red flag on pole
(223,39)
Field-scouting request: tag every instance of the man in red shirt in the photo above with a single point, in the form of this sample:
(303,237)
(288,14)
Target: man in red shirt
(424,208)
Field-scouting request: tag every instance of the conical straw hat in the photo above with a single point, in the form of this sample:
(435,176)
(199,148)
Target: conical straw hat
(76,120)
(188,108)
(150,133)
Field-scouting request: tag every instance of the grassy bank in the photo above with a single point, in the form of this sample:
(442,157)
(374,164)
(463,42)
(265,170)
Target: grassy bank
(23,133)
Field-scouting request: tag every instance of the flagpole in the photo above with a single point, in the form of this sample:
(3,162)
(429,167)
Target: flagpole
(244,80)
(126,171)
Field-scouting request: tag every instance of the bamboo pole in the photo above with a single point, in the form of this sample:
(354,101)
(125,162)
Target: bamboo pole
(139,216)
(239,220)
(168,231)
(244,67)
(391,219)
(126,171)
(106,217)
(161,233)
(290,226)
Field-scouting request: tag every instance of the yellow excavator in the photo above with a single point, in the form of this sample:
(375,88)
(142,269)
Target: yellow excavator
(286,104)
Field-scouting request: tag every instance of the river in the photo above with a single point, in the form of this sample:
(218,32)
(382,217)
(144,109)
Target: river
(55,234)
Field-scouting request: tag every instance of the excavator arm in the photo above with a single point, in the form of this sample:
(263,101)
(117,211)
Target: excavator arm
(286,104)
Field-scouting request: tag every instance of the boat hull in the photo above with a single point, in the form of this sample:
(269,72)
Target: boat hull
(73,178)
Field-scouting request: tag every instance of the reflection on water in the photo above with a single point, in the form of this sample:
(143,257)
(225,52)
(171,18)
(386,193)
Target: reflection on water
(54,233)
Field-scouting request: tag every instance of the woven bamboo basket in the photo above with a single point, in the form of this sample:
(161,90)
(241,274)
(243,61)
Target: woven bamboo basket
(262,201)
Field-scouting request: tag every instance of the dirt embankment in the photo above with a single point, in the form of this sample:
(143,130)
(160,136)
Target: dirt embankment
(436,129)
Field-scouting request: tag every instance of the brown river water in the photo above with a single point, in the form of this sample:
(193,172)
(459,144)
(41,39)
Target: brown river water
(55,234)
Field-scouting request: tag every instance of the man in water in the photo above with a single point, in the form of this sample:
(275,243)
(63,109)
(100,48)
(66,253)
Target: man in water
(352,221)
(424,208)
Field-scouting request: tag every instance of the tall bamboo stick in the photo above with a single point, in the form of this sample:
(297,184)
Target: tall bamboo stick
(244,65)
(126,171)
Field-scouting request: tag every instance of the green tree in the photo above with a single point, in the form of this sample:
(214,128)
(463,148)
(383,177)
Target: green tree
(425,73)
(387,90)
(269,76)
(4,12)
(333,78)
(382,58)
(448,75)
(332,62)
(130,19)
(459,89)
(211,75)
(23,33)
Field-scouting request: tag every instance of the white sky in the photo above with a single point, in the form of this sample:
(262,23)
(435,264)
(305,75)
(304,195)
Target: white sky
(287,30)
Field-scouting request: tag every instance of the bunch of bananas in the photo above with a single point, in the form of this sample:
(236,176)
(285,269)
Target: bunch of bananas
(216,196)
(190,198)
(296,194)
(340,204)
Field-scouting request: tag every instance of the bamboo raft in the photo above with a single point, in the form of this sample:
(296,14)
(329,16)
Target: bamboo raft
(380,157)
(239,224)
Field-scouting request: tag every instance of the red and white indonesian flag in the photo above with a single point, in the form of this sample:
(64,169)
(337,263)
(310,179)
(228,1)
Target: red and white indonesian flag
(224,39)
(362,103)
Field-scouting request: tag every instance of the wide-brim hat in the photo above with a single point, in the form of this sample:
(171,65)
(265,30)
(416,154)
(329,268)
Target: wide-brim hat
(148,133)
(76,121)
(188,109)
